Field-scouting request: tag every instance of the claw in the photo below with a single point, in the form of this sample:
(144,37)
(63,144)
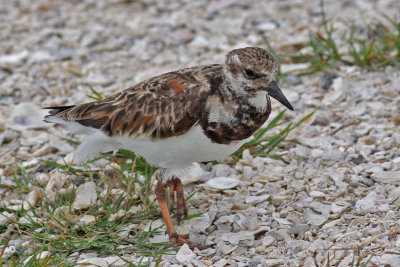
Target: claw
(180,239)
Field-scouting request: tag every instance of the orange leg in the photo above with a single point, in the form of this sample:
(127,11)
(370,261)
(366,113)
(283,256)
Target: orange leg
(175,185)
(171,196)
(176,239)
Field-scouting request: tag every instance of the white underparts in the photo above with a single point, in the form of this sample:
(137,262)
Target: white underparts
(173,153)
(259,101)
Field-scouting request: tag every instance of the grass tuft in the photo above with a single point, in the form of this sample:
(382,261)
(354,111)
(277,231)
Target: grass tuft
(262,144)
(53,226)
(374,47)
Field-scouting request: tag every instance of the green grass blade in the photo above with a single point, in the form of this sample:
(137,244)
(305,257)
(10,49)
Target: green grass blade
(97,96)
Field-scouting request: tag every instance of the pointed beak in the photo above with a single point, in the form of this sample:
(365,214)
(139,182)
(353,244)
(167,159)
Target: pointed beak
(274,91)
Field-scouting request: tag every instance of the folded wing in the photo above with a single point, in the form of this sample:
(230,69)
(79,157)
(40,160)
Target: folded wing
(160,107)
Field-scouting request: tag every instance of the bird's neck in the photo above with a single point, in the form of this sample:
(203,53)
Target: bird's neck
(230,116)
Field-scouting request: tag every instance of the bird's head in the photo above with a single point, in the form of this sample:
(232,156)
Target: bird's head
(252,72)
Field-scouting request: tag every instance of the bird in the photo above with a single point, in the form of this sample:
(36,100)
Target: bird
(195,114)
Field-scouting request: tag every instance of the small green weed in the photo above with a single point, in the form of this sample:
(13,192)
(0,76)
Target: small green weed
(96,95)
(262,144)
(374,47)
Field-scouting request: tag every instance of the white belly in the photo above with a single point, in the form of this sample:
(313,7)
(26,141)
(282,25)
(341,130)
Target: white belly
(171,153)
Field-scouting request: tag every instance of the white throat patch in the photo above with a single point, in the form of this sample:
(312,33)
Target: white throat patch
(259,101)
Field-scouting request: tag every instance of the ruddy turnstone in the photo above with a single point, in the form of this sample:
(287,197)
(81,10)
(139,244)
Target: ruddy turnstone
(196,114)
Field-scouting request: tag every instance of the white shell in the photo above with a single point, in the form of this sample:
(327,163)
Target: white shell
(256,199)
(222,183)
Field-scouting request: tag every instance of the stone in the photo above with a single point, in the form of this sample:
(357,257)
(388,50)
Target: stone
(249,219)
(298,230)
(43,255)
(315,218)
(25,116)
(119,214)
(185,254)
(200,224)
(296,246)
(126,230)
(65,53)
(257,199)
(222,183)
(247,172)
(243,237)
(5,218)
(87,219)
(56,181)
(387,177)
(390,260)
(317,194)
(9,251)
(268,240)
(222,170)
(273,262)
(394,196)
(45,150)
(30,163)
(85,196)
(327,80)
(90,38)
(102,262)
(14,59)
(182,36)
(34,195)
(317,245)
(335,208)
(372,203)
(285,68)
(396,163)
(267,26)
(40,256)
(40,56)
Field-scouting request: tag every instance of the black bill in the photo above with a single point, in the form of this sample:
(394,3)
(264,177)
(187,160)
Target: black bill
(275,92)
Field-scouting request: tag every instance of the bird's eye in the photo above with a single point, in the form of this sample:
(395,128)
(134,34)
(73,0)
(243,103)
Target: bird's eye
(249,73)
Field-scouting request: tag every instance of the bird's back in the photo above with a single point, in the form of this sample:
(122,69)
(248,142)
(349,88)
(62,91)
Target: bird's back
(160,107)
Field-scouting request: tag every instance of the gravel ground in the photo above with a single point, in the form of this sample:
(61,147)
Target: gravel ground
(337,187)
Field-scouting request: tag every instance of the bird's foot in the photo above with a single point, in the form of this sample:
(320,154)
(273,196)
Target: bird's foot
(176,239)
(180,239)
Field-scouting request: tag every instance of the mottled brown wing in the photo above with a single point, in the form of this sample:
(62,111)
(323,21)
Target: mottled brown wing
(163,106)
